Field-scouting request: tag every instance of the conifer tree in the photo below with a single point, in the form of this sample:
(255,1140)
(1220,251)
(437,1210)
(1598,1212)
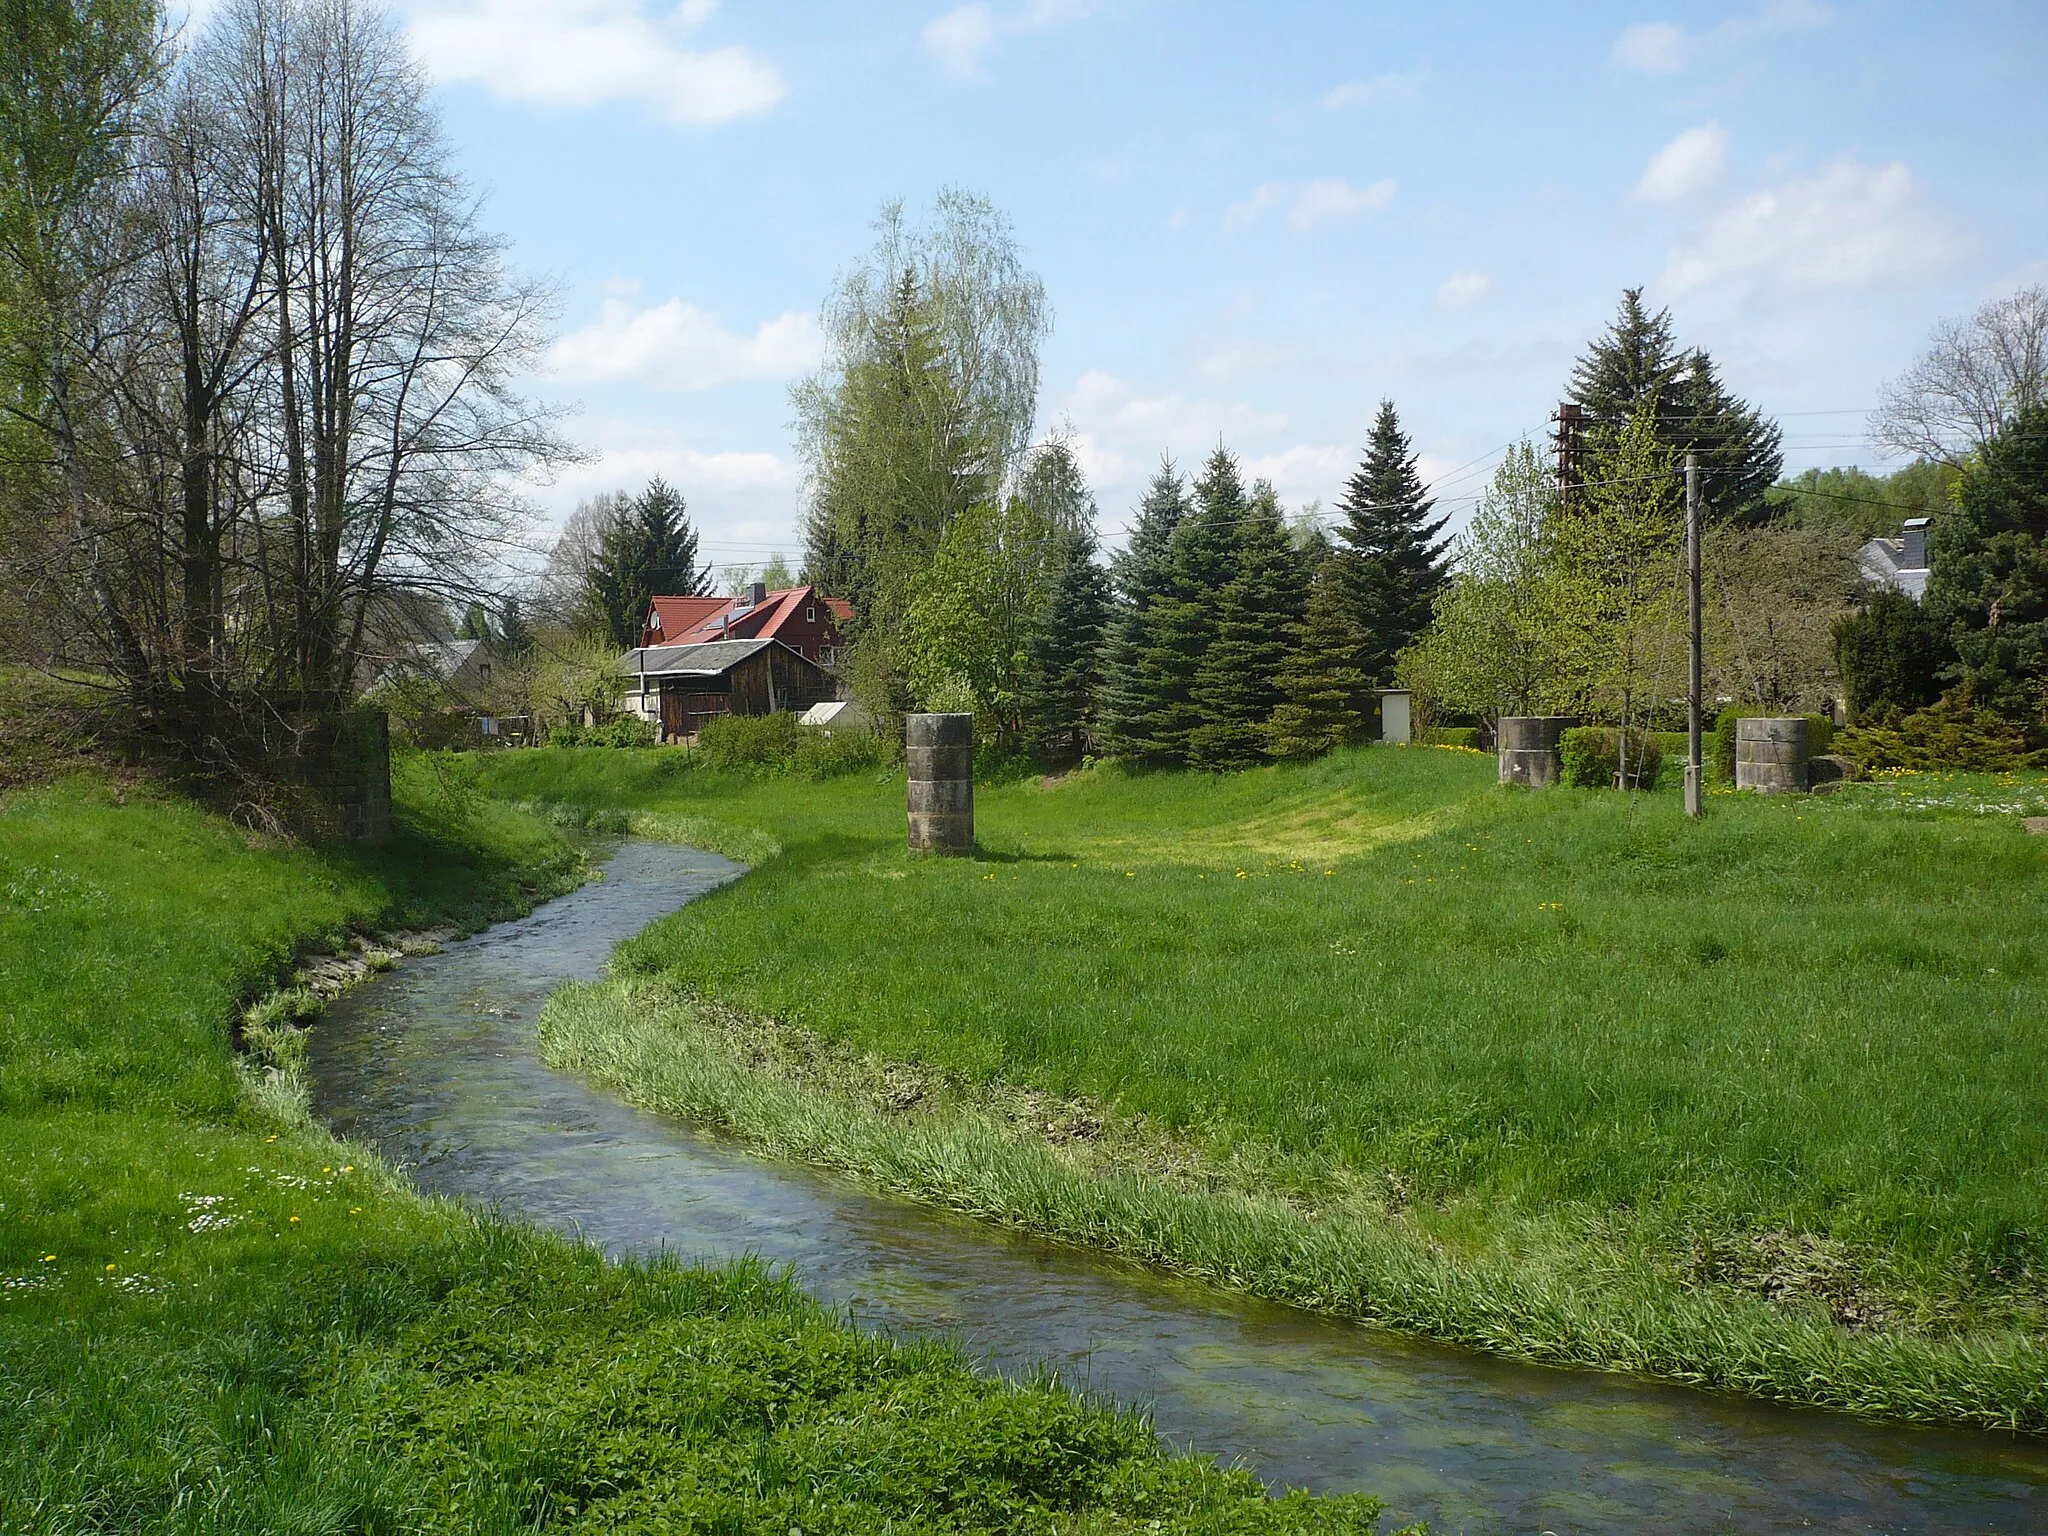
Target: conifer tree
(1638,363)
(1256,614)
(1320,685)
(1062,673)
(1140,574)
(1738,447)
(1390,560)
(1182,619)
(649,549)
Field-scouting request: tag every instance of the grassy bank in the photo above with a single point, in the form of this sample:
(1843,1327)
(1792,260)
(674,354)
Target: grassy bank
(1758,1103)
(213,1319)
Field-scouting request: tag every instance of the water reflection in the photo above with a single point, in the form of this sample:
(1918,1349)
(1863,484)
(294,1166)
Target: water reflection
(435,1065)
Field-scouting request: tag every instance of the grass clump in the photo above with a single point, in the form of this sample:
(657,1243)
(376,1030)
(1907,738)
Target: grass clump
(215,1318)
(1745,1101)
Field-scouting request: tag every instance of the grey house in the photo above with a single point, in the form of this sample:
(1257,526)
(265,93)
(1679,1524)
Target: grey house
(1899,563)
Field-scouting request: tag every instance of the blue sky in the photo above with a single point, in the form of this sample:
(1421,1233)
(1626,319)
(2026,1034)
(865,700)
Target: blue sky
(1252,221)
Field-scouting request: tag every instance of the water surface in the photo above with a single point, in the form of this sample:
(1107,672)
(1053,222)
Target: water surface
(435,1064)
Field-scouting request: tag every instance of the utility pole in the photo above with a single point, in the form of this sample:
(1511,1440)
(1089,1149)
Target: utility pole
(1693,680)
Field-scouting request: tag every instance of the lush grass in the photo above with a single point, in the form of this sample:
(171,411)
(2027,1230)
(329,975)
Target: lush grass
(1788,1061)
(214,1320)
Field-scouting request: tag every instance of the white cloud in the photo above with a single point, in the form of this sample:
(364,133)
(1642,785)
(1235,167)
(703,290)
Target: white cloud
(1390,89)
(682,346)
(1690,163)
(1852,225)
(1225,363)
(1665,48)
(736,498)
(578,53)
(963,38)
(1309,203)
(1462,288)
(1653,47)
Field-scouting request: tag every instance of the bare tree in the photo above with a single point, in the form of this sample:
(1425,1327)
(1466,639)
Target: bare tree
(275,404)
(1974,377)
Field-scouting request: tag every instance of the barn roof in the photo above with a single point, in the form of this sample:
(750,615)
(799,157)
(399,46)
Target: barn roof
(713,658)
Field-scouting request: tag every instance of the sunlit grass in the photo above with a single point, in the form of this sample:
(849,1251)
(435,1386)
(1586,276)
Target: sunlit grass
(214,1318)
(1793,1053)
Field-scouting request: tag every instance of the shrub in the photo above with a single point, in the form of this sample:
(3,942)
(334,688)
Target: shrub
(1450,736)
(772,744)
(824,754)
(619,731)
(1889,653)
(1591,757)
(1950,733)
(749,743)
(1671,749)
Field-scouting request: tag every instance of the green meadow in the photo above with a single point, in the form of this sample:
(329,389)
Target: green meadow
(215,1318)
(1757,1102)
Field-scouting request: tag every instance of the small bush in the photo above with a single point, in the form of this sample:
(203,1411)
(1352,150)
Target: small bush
(619,731)
(749,743)
(1450,736)
(1591,757)
(1950,733)
(822,754)
(775,744)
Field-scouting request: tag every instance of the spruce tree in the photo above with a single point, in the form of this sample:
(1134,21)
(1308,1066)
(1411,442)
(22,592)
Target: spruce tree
(1738,447)
(1390,560)
(1182,620)
(1141,574)
(1320,685)
(1638,362)
(1062,673)
(515,635)
(1256,614)
(649,549)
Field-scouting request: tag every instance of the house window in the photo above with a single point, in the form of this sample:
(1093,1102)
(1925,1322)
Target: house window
(810,615)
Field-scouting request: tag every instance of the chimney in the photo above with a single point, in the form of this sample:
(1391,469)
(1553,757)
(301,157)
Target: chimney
(1914,556)
(757,594)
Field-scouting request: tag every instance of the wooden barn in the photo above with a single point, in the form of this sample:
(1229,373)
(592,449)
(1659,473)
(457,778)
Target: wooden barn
(679,687)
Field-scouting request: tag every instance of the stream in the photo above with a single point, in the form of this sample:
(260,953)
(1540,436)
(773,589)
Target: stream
(435,1065)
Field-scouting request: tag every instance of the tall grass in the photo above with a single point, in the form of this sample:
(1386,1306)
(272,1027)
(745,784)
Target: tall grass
(213,1318)
(1790,1057)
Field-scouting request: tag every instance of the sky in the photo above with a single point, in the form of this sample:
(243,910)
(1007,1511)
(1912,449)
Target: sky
(1253,222)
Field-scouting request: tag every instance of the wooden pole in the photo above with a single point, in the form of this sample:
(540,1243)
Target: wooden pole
(1693,680)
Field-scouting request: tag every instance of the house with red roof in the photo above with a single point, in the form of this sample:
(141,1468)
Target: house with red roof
(801,618)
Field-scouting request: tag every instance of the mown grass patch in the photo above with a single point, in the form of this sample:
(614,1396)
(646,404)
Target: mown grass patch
(214,1319)
(1790,1057)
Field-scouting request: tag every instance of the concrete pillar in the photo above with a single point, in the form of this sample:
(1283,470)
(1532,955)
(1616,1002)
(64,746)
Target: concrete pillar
(1528,749)
(1771,755)
(941,753)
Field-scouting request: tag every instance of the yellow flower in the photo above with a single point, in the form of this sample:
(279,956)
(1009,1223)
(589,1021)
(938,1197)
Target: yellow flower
(49,1258)
(110,1269)
(295,1221)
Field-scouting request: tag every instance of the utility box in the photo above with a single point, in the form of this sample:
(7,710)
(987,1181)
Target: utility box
(1397,714)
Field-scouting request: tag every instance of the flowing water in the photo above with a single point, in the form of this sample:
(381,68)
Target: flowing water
(436,1065)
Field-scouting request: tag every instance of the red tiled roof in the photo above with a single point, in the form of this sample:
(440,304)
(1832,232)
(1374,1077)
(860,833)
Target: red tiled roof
(723,618)
(678,615)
